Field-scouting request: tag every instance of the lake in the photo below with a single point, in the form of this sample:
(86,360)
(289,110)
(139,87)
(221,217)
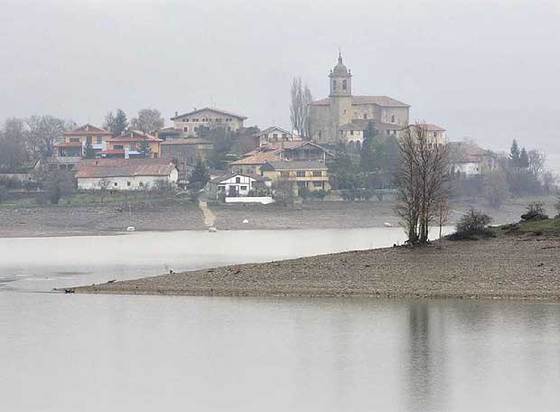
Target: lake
(142,353)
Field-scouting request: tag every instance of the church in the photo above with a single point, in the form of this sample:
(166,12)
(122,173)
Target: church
(342,117)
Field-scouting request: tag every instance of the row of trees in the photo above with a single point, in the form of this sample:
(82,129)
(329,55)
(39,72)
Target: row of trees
(147,121)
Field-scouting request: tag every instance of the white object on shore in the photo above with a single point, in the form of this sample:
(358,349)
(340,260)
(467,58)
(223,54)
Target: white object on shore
(130,229)
(245,221)
(387,224)
(212,229)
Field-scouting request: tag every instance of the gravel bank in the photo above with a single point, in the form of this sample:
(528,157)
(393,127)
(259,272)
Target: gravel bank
(507,267)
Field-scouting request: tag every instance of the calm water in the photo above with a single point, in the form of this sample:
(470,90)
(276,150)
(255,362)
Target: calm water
(143,353)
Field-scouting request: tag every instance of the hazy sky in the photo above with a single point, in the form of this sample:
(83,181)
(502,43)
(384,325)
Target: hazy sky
(489,70)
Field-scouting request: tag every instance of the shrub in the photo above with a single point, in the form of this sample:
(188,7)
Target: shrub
(472,225)
(535,211)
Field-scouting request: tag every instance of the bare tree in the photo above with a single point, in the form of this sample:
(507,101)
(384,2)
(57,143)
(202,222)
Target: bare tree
(43,132)
(536,161)
(103,188)
(148,121)
(301,98)
(422,181)
(12,145)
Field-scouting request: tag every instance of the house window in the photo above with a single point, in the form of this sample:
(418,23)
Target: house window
(243,187)
(237,180)
(351,132)
(284,135)
(318,184)
(128,184)
(284,174)
(141,184)
(300,173)
(115,184)
(185,129)
(221,188)
(317,173)
(75,139)
(319,134)
(118,147)
(344,84)
(99,140)
(393,118)
(365,115)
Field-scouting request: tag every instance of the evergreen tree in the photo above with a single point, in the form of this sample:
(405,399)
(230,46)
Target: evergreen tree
(524,159)
(514,155)
(117,123)
(199,176)
(144,148)
(89,153)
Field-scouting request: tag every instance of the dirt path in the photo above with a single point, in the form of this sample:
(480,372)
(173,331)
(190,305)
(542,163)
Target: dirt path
(209,216)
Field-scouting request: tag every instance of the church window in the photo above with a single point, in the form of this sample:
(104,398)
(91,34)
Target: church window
(393,118)
(334,84)
(365,115)
(344,84)
(351,132)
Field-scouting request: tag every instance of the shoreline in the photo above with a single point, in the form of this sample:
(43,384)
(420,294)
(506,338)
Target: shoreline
(103,220)
(506,268)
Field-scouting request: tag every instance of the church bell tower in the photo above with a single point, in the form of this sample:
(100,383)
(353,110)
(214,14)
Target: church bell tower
(340,99)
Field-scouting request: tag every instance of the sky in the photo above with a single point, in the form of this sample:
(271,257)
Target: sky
(487,70)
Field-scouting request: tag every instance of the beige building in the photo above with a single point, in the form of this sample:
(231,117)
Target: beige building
(331,117)
(191,123)
(310,175)
(274,135)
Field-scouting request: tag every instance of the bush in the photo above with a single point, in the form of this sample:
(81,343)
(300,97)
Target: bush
(535,211)
(472,225)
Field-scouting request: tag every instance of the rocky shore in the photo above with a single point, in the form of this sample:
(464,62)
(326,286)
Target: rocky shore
(508,267)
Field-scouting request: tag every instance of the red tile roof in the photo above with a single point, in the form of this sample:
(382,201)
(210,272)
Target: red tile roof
(87,129)
(383,101)
(134,136)
(100,168)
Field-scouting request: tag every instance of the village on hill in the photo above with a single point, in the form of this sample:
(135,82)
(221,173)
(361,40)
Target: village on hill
(342,147)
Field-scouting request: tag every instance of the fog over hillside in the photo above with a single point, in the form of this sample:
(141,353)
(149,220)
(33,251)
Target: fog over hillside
(483,69)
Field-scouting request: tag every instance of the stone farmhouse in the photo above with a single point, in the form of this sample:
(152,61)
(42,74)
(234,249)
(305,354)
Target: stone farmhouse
(190,124)
(334,119)
(125,174)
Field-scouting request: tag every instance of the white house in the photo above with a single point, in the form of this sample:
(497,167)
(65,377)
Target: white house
(125,174)
(240,185)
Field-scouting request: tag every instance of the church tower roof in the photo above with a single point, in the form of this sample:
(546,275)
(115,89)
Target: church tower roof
(340,69)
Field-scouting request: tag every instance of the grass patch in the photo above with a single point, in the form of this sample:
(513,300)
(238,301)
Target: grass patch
(547,226)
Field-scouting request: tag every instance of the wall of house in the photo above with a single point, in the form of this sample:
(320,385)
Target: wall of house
(246,169)
(309,181)
(126,182)
(207,118)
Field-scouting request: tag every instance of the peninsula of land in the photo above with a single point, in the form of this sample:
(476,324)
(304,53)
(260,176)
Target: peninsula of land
(521,266)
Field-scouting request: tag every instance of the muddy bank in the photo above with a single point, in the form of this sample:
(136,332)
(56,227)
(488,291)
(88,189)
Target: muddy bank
(181,215)
(507,267)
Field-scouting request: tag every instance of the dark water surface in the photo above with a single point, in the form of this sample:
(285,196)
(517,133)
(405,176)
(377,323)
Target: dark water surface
(144,353)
